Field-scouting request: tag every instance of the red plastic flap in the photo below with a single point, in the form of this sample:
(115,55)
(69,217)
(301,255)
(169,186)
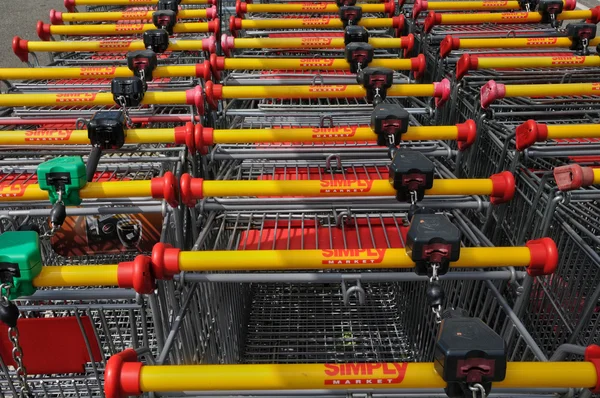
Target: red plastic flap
(377,233)
(52,345)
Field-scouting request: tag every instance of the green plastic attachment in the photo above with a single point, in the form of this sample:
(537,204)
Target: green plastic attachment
(20,262)
(63,173)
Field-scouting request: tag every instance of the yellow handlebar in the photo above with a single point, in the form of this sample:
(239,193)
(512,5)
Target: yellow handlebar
(228,43)
(71,4)
(308,8)
(45,31)
(58,18)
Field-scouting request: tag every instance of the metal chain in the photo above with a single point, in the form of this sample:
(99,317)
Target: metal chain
(123,103)
(478,388)
(437,311)
(17,351)
(413,197)
(527,7)
(54,228)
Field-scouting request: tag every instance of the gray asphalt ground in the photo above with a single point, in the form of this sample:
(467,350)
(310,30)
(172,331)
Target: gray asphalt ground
(20,17)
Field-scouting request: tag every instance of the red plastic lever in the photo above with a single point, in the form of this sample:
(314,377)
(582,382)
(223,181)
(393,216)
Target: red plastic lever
(592,354)
(165,187)
(503,187)
(191,189)
(490,92)
(467,134)
(529,133)
(165,261)
(136,275)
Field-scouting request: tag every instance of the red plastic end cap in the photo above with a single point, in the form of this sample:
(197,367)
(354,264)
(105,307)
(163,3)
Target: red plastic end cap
(217,64)
(70,5)
(20,48)
(595,15)
(186,135)
(165,187)
(448,44)
(43,31)
(390,8)
(214,26)
(490,92)
(529,133)
(544,257)
(164,261)
(209,44)
(465,64)
(431,20)
(232,26)
(211,12)
(467,134)
(418,6)
(194,97)
(573,176)
(240,8)
(227,44)
(191,189)
(136,274)
(417,65)
(398,24)
(503,187)
(116,383)
(204,138)
(203,71)
(407,43)
(441,92)
(592,354)
(214,93)
(212,2)
(56,17)
(570,5)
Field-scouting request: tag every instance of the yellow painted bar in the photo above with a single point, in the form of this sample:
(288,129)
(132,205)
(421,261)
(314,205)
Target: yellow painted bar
(311,42)
(229,188)
(79,275)
(516,42)
(282,260)
(129,2)
(321,376)
(80,137)
(537,62)
(309,8)
(507,17)
(116,189)
(335,134)
(323,91)
(551,90)
(573,131)
(92,72)
(304,23)
(107,46)
(310,63)
(472,5)
(596,176)
(19,192)
(85,99)
(126,15)
(124,29)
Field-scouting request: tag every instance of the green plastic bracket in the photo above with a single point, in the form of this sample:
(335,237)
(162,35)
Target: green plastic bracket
(63,173)
(20,262)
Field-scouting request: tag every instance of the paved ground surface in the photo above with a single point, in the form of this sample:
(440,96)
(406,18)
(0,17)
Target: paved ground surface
(20,17)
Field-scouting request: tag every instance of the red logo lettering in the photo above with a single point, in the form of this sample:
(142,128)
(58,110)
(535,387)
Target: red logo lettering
(313,6)
(364,373)
(316,61)
(595,86)
(352,256)
(48,135)
(541,41)
(315,41)
(137,27)
(98,71)
(513,15)
(334,132)
(494,3)
(9,189)
(75,97)
(345,186)
(135,14)
(566,60)
(315,21)
(114,44)
(327,88)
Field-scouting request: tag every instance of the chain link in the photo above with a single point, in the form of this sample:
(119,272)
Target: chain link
(437,310)
(54,228)
(477,388)
(17,351)
(123,103)
(413,197)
